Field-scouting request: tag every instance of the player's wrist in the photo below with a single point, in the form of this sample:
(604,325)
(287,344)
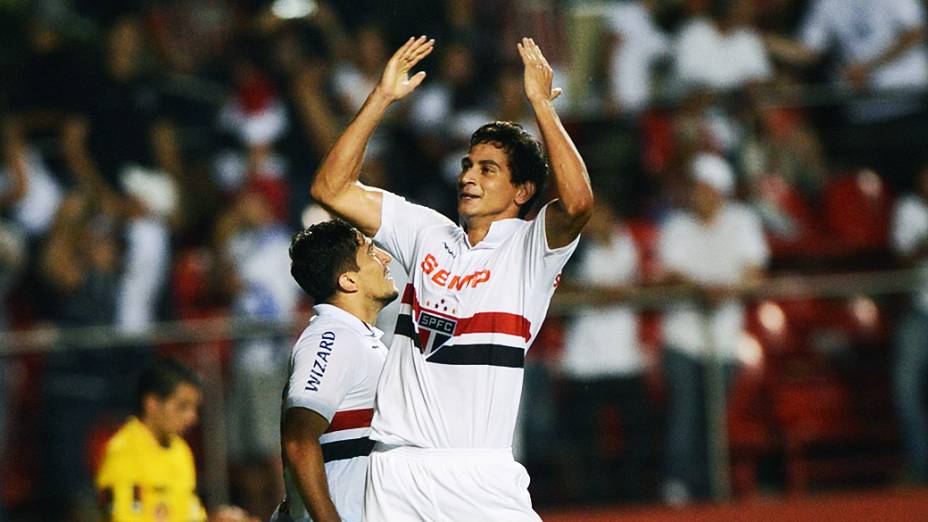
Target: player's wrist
(540,103)
(381,98)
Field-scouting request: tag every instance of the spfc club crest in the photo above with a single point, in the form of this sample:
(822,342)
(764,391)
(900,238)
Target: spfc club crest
(434,331)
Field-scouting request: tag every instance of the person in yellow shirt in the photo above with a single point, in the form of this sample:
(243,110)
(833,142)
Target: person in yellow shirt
(148,473)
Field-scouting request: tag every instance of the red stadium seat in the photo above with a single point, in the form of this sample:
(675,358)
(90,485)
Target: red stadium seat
(857,207)
(827,436)
(750,434)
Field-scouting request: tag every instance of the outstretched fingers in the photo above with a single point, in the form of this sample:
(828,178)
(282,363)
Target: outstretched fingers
(420,50)
(401,52)
(538,73)
(538,54)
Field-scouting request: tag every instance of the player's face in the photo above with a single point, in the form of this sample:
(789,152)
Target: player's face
(485,186)
(178,412)
(374,273)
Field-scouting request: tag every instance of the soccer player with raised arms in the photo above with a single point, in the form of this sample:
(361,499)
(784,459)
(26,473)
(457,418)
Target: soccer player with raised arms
(479,290)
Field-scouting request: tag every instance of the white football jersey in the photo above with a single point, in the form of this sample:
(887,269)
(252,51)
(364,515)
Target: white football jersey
(334,369)
(453,376)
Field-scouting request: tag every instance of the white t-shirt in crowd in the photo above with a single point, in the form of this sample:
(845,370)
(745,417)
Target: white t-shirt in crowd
(453,377)
(37,208)
(261,260)
(146,265)
(603,341)
(864,29)
(717,253)
(909,230)
(334,369)
(642,42)
(705,57)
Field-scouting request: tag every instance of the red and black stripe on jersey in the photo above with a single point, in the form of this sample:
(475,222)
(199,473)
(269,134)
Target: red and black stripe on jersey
(437,328)
(348,448)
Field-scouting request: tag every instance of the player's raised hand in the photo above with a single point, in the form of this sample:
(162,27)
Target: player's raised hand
(538,74)
(395,81)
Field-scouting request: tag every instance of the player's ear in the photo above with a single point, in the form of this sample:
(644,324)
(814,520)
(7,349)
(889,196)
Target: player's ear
(150,402)
(348,282)
(524,192)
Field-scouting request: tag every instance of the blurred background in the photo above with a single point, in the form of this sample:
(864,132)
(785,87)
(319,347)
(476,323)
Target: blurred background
(745,318)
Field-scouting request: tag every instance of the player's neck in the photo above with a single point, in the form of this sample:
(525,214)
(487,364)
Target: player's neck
(164,439)
(364,310)
(478,227)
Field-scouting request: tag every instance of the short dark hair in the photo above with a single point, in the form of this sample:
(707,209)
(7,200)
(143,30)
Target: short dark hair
(321,253)
(161,379)
(526,157)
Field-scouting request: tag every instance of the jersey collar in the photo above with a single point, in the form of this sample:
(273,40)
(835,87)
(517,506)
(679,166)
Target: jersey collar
(338,314)
(499,232)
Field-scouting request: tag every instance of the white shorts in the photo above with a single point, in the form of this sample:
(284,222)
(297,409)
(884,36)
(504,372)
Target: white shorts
(438,485)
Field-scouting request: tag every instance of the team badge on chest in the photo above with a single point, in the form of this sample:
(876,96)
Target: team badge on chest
(434,331)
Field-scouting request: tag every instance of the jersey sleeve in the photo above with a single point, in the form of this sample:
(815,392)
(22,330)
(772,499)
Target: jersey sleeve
(323,371)
(544,263)
(400,225)
(117,484)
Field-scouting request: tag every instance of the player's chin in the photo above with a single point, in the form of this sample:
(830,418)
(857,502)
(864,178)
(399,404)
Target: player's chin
(468,207)
(390,295)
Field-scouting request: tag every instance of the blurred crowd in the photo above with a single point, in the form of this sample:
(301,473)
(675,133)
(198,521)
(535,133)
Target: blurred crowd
(157,154)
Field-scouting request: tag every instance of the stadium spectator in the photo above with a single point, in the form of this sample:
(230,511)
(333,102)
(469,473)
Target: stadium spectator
(80,266)
(879,45)
(123,123)
(151,200)
(603,365)
(301,67)
(635,45)
(721,52)
(910,373)
(28,191)
(255,117)
(353,79)
(717,246)
(253,245)
(880,56)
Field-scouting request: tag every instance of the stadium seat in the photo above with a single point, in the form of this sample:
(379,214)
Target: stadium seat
(857,207)
(750,435)
(827,436)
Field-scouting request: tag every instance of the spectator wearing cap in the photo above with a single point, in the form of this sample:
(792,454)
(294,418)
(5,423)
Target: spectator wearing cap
(151,201)
(717,246)
(603,364)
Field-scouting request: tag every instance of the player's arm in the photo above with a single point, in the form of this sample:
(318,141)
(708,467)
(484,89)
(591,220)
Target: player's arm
(336,185)
(300,436)
(566,217)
